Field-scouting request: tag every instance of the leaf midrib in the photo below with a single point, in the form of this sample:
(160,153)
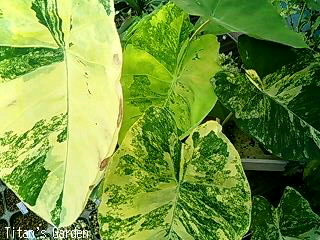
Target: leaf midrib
(175,75)
(270,97)
(68,129)
(180,181)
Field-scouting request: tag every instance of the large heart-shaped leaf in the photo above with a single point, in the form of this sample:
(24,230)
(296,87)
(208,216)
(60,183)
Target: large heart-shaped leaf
(313,4)
(281,110)
(293,219)
(60,101)
(163,68)
(158,188)
(260,55)
(257,18)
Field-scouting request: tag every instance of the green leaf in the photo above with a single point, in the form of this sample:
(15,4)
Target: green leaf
(258,19)
(159,188)
(163,67)
(293,219)
(316,26)
(60,101)
(210,27)
(312,177)
(260,55)
(313,4)
(312,181)
(282,110)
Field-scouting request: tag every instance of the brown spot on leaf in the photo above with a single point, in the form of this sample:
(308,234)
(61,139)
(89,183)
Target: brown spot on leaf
(81,62)
(12,103)
(71,19)
(104,163)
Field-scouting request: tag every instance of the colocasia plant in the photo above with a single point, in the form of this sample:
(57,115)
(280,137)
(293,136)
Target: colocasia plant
(61,101)
(69,95)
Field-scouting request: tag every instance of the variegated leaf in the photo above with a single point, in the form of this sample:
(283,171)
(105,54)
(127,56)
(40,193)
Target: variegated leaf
(311,178)
(255,53)
(159,188)
(60,101)
(281,110)
(255,18)
(162,67)
(293,219)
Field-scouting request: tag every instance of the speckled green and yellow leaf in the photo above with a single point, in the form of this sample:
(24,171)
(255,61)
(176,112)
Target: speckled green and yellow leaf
(158,188)
(293,219)
(60,101)
(162,68)
(281,110)
(258,19)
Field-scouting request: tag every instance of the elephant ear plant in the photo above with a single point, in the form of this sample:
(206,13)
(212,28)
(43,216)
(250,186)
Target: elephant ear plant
(254,18)
(281,110)
(60,101)
(156,186)
(173,176)
(293,219)
(160,188)
(176,70)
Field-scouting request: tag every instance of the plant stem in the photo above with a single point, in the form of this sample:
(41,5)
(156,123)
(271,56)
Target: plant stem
(199,29)
(247,235)
(227,119)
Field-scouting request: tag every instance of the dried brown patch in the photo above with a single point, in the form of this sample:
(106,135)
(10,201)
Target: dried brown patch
(104,163)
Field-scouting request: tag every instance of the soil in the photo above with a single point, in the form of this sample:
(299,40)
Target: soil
(3,231)
(91,206)
(247,146)
(29,222)
(82,225)
(95,224)
(1,206)
(229,46)
(44,237)
(11,200)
